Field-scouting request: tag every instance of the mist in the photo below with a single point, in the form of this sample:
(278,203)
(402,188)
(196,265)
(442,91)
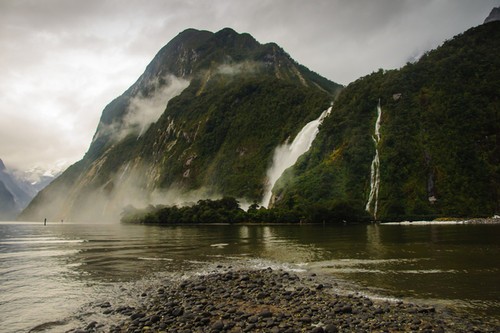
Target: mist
(248,67)
(287,154)
(131,185)
(145,109)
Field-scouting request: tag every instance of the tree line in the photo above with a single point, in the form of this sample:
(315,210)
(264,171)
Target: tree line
(228,210)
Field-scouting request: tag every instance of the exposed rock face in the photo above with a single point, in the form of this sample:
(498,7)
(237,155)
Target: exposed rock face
(218,104)
(8,207)
(18,187)
(176,131)
(494,15)
(13,198)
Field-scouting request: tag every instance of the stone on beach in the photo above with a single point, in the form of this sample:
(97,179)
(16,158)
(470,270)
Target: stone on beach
(275,301)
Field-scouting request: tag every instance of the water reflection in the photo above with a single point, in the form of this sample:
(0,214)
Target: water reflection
(456,263)
(374,244)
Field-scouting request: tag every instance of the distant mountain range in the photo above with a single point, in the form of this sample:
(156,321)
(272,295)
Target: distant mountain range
(17,188)
(213,113)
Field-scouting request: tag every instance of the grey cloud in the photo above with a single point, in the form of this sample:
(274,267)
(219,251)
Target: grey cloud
(145,110)
(69,58)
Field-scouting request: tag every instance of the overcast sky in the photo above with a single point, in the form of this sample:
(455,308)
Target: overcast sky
(62,61)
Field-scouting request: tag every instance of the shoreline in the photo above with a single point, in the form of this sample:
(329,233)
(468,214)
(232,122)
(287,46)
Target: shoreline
(267,300)
(440,221)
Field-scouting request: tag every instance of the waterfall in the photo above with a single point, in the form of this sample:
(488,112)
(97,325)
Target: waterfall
(287,154)
(372,204)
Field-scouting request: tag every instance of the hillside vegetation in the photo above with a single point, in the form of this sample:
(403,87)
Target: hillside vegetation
(440,134)
(233,101)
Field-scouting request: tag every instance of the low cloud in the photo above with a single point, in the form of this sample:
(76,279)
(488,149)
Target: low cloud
(248,67)
(62,61)
(130,186)
(143,110)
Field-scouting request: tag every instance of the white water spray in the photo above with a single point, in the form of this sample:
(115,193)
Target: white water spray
(287,154)
(372,204)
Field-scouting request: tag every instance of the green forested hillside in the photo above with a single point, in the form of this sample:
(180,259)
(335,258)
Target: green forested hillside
(237,100)
(215,138)
(440,134)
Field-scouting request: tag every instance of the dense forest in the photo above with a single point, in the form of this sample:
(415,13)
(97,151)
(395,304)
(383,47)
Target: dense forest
(440,137)
(228,210)
(214,138)
(437,123)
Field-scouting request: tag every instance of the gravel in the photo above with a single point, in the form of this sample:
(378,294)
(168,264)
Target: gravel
(273,301)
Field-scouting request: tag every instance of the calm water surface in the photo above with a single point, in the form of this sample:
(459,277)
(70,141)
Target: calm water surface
(52,278)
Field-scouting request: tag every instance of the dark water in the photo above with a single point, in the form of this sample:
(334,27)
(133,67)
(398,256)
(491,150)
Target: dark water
(52,278)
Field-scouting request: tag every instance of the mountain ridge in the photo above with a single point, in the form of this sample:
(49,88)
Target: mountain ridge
(418,142)
(17,188)
(439,138)
(217,84)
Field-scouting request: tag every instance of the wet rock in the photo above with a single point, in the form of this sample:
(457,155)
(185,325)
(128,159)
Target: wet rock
(252,319)
(218,326)
(330,328)
(105,305)
(91,326)
(426,310)
(176,312)
(137,315)
(154,319)
(266,314)
(318,330)
(271,301)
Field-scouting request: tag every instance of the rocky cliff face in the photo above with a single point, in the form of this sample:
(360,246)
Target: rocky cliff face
(207,114)
(494,15)
(201,121)
(14,195)
(8,207)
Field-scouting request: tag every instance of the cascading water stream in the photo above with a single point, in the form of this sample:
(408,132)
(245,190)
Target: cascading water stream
(372,203)
(287,154)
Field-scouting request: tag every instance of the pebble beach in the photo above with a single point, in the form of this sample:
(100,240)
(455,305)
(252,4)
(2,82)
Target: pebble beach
(277,301)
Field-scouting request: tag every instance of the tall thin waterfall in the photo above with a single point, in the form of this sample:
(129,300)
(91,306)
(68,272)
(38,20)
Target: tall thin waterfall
(287,154)
(372,204)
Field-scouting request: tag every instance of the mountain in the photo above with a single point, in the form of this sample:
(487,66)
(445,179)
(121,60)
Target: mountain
(37,178)
(214,113)
(415,143)
(494,15)
(17,188)
(202,121)
(8,207)
(13,198)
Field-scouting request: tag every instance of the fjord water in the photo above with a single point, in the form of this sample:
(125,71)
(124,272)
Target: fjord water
(57,277)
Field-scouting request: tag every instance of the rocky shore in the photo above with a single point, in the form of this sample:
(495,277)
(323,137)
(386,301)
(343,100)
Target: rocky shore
(272,301)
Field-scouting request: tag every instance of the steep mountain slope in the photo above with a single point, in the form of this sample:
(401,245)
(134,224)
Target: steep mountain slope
(8,206)
(494,15)
(14,196)
(437,149)
(201,121)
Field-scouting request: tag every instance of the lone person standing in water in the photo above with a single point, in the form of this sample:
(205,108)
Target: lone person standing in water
(45,221)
